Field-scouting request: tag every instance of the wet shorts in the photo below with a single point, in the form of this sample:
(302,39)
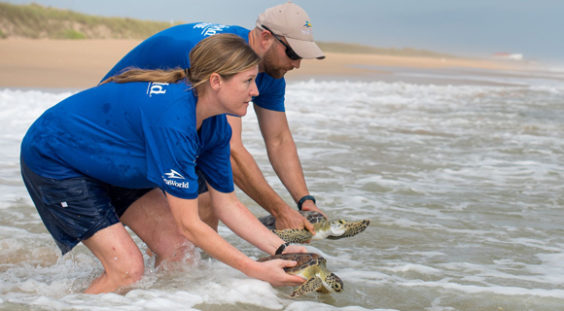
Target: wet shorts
(74,209)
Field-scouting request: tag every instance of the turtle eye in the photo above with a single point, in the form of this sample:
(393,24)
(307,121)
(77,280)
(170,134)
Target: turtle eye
(337,287)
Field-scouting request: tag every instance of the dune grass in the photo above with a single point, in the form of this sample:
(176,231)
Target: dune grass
(36,21)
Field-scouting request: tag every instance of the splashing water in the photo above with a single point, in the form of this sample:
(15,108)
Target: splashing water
(463,184)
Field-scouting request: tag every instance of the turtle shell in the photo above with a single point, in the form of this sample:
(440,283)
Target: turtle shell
(304,260)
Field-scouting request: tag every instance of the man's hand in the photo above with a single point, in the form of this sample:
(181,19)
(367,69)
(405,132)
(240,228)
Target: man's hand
(292,219)
(309,205)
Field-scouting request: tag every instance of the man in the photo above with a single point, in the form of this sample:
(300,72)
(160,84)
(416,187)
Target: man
(282,38)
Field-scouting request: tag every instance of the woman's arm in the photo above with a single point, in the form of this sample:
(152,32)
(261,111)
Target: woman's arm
(185,213)
(239,219)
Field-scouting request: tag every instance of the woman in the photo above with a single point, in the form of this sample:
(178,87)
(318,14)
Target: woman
(130,152)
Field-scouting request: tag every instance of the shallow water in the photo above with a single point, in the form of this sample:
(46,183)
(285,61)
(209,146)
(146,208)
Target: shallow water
(463,183)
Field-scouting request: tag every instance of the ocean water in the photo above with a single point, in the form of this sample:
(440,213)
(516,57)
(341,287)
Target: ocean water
(460,172)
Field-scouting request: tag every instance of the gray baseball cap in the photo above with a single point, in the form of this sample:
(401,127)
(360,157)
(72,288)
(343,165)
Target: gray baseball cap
(292,22)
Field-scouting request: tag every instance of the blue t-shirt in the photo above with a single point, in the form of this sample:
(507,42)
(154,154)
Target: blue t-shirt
(132,135)
(171,47)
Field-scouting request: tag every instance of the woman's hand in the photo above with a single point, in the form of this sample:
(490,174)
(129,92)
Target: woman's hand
(272,271)
(294,249)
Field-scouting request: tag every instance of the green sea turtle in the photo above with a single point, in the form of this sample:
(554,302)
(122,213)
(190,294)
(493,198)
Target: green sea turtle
(313,268)
(324,228)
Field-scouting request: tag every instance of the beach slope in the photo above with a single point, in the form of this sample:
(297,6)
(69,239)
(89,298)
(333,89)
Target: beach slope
(48,63)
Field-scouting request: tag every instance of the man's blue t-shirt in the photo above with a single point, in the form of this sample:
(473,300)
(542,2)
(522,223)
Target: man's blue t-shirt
(171,47)
(132,135)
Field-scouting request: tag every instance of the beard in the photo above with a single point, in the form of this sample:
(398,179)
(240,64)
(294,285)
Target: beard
(269,62)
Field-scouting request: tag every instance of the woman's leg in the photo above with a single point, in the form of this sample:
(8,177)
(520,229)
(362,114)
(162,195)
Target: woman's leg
(122,260)
(150,218)
(71,209)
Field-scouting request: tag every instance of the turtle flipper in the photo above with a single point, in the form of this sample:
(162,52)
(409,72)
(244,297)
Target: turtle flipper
(351,229)
(294,235)
(310,285)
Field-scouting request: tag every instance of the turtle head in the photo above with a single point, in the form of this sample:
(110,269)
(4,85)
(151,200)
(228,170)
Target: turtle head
(334,282)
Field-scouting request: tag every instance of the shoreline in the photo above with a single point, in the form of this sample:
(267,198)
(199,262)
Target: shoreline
(72,64)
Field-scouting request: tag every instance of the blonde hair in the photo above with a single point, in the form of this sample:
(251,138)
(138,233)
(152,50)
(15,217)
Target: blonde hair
(224,54)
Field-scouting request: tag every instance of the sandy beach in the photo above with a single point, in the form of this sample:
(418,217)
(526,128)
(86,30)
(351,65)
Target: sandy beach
(82,63)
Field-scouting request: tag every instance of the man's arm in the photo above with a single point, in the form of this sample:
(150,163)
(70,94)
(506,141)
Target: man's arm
(283,154)
(248,177)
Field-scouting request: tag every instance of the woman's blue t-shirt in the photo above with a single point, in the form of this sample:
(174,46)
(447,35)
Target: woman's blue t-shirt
(171,47)
(132,135)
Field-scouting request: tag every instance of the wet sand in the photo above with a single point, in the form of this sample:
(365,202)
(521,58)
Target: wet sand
(82,63)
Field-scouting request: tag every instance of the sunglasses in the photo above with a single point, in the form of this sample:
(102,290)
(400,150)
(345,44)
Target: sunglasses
(289,52)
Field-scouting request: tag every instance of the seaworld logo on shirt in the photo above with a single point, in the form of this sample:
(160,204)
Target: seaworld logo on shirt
(174,174)
(170,180)
(209,29)
(155,88)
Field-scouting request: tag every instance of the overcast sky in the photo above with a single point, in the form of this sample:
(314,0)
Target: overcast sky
(464,27)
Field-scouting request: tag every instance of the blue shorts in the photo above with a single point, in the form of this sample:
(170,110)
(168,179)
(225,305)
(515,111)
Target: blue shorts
(202,186)
(74,209)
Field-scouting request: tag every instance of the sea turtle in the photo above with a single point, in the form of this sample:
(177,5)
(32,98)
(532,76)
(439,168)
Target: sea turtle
(324,228)
(311,267)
